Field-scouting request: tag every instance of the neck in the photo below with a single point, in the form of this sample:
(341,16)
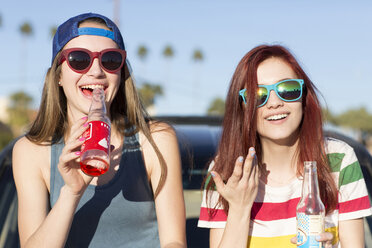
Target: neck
(279,161)
(277,154)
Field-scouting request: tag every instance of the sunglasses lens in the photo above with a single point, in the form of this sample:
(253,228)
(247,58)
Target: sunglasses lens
(289,90)
(79,60)
(261,95)
(111,60)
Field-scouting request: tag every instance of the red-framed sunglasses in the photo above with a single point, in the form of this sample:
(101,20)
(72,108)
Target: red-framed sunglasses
(80,59)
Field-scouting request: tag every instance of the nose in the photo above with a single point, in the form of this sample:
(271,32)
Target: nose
(95,69)
(273,101)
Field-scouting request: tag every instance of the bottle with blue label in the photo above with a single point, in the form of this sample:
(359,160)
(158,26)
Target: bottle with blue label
(310,210)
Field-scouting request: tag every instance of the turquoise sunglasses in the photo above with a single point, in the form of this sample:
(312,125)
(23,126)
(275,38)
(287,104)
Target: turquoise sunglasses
(288,90)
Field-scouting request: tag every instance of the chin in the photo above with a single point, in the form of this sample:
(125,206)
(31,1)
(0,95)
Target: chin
(279,137)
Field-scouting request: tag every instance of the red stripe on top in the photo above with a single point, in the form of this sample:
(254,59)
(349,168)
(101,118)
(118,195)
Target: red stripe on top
(260,211)
(282,210)
(354,205)
(274,211)
(217,215)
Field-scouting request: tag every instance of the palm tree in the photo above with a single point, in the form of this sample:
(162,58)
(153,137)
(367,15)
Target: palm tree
(148,93)
(142,53)
(26,31)
(197,57)
(168,54)
(19,111)
(168,51)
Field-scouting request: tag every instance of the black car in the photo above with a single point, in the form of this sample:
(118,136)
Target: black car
(198,139)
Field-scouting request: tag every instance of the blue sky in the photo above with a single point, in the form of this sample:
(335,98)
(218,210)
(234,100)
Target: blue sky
(331,39)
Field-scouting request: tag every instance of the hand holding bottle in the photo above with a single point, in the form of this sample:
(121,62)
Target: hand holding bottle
(325,237)
(68,164)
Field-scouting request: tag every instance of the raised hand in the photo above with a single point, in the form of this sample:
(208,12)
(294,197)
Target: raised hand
(241,188)
(75,180)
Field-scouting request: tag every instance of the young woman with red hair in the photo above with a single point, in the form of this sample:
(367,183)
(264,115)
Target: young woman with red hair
(274,119)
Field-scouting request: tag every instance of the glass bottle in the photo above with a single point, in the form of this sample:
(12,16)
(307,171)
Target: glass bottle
(95,151)
(310,210)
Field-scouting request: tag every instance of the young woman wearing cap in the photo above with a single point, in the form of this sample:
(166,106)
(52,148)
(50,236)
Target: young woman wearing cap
(139,201)
(273,115)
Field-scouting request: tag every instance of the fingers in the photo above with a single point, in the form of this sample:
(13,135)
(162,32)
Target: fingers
(238,170)
(70,152)
(235,177)
(72,145)
(75,140)
(326,238)
(69,156)
(294,240)
(77,129)
(249,165)
(256,171)
(245,171)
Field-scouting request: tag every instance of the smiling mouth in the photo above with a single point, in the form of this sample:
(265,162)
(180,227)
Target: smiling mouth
(276,117)
(88,89)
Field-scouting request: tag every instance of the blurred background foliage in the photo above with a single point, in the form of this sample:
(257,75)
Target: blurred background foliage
(359,119)
(6,134)
(20,113)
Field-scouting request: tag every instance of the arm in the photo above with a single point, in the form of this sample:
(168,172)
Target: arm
(38,225)
(169,204)
(240,191)
(354,202)
(351,233)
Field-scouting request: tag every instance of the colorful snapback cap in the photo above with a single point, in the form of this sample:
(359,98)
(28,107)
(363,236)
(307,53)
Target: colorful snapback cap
(70,29)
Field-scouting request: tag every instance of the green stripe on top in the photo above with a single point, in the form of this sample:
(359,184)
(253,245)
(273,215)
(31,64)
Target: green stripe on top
(350,173)
(207,181)
(335,160)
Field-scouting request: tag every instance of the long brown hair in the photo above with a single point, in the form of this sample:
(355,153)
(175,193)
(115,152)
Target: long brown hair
(240,124)
(126,110)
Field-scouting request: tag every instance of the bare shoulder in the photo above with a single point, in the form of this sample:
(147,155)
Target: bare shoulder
(24,148)
(30,159)
(161,128)
(164,137)
(23,143)
(161,133)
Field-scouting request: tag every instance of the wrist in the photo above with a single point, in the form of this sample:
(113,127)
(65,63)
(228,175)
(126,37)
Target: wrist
(68,195)
(241,212)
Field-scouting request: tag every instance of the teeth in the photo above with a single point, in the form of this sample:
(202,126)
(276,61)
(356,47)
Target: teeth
(92,86)
(276,117)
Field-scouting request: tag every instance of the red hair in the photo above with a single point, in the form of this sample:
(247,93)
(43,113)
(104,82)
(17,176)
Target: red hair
(240,124)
